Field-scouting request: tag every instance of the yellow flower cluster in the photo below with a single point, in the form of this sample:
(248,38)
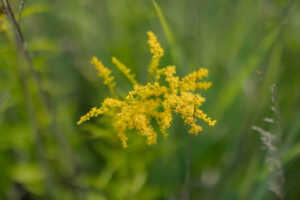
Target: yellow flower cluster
(108,104)
(155,101)
(156,50)
(104,73)
(182,100)
(124,70)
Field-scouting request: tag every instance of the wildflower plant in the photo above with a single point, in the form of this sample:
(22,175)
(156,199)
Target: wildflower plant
(157,100)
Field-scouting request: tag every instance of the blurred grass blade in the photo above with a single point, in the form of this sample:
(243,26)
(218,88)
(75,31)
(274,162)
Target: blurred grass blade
(271,71)
(232,88)
(168,32)
(269,45)
(34,9)
(164,23)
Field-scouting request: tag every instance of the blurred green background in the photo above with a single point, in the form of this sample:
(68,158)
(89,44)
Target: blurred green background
(247,45)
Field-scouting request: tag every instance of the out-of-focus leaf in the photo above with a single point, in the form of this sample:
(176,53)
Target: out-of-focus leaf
(43,44)
(34,9)
(292,153)
(138,182)
(95,196)
(30,175)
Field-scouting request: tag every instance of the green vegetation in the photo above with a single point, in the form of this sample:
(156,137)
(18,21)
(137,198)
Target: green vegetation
(47,83)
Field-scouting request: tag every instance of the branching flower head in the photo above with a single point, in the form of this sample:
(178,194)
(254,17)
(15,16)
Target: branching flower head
(156,100)
(156,50)
(104,73)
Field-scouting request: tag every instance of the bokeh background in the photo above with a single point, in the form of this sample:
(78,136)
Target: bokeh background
(247,45)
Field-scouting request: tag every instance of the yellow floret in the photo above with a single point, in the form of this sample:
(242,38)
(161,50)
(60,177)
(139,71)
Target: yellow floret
(106,105)
(104,73)
(124,70)
(156,50)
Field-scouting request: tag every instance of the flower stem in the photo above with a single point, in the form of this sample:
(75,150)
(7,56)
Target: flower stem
(186,188)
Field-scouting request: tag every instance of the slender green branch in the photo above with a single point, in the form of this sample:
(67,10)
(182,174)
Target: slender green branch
(187,181)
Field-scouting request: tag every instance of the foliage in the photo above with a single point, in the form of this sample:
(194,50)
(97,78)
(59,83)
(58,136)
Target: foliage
(246,46)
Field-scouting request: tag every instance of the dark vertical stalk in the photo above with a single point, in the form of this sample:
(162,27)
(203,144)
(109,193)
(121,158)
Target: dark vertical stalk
(38,136)
(186,189)
(21,8)
(63,142)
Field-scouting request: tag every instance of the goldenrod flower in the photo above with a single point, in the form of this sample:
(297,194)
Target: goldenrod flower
(154,101)
(156,50)
(104,73)
(95,112)
(124,70)
(189,82)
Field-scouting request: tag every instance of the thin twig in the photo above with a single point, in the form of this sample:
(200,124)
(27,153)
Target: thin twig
(187,181)
(41,152)
(21,8)
(186,189)
(64,144)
